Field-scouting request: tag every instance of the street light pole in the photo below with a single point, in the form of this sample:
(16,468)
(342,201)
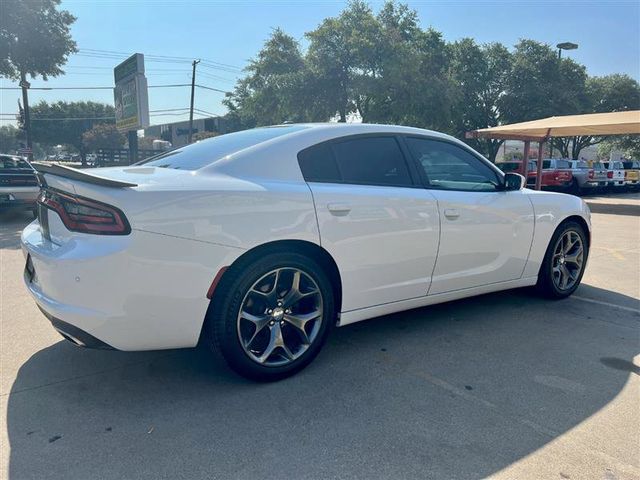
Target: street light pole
(561,46)
(193,87)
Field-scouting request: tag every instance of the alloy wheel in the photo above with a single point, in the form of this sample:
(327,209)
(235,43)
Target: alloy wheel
(280,317)
(568,260)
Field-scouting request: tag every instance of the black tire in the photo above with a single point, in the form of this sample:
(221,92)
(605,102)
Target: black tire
(574,188)
(546,284)
(221,325)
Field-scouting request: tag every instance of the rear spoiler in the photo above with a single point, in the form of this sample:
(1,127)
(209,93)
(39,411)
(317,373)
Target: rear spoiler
(76,174)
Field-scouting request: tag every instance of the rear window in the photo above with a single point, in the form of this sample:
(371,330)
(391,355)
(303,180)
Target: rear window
(581,165)
(200,154)
(13,163)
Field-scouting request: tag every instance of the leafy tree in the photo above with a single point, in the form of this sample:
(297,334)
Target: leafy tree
(66,122)
(610,93)
(629,145)
(540,85)
(479,75)
(273,90)
(9,139)
(344,54)
(34,38)
(102,136)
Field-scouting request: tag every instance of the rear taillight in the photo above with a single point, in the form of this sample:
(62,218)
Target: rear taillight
(609,174)
(83,215)
(591,174)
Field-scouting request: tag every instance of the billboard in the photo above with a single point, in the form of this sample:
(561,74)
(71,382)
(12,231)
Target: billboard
(130,94)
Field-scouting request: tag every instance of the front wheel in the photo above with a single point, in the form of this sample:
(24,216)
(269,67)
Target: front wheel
(270,317)
(564,262)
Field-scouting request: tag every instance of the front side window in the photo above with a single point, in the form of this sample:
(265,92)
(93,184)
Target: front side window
(449,167)
(361,161)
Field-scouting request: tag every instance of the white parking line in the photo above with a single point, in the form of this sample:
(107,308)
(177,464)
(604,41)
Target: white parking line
(606,304)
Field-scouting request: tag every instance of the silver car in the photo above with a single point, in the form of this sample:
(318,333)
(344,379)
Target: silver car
(18,184)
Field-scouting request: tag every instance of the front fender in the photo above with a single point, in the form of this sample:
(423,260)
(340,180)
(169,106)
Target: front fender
(550,210)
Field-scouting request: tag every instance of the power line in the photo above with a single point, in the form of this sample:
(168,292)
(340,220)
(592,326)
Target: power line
(111,88)
(152,56)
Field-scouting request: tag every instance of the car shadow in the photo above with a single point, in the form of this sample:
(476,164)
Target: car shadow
(459,390)
(614,208)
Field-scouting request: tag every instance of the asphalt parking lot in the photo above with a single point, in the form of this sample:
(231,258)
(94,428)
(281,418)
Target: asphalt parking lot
(505,385)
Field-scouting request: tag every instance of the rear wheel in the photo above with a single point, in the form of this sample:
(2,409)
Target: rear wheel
(564,262)
(270,317)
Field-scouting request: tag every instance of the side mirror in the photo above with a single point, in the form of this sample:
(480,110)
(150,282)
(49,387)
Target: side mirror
(513,181)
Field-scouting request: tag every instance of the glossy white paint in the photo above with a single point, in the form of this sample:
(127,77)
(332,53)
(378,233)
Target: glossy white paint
(383,239)
(395,248)
(485,238)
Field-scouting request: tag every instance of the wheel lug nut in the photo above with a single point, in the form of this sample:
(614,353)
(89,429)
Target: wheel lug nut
(272,323)
(282,323)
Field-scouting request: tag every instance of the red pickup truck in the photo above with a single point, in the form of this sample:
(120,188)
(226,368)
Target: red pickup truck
(556,174)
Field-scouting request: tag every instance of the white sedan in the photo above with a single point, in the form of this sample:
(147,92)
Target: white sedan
(257,243)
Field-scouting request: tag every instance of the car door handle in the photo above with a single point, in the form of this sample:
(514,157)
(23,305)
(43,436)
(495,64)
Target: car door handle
(451,213)
(339,209)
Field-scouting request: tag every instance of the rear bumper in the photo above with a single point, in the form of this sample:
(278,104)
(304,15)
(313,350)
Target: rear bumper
(137,292)
(78,337)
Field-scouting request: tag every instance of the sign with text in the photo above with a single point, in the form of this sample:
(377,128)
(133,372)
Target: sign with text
(130,94)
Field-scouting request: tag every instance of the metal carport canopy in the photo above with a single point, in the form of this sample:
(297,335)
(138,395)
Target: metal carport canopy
(597,124)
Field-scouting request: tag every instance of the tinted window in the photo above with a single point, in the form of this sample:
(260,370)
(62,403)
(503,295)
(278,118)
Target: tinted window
(371,161)
(7,162)
(201,154)
(449,167)
(319,165)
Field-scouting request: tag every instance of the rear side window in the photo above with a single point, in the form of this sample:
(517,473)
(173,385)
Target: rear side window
(361,161)
(319,165)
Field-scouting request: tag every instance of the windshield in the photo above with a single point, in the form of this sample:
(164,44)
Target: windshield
(7,162)
(201,154)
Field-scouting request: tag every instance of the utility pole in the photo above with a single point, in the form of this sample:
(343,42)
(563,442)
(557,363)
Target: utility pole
(27,117)
(193,88)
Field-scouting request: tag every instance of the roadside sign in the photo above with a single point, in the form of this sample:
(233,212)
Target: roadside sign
(24,84)
(130,94)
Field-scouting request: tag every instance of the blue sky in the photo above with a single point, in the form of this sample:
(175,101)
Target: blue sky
(231,32)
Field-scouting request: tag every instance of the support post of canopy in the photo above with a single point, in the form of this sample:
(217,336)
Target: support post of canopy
(539,166)
(525,158)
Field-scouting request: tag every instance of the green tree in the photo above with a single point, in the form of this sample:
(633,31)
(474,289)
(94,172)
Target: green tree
(273,90)
(412,87)
(34,38)
(102,136)
(540,85)
(479,76)
(66,122)
(345,56)
(9,139)
(610,93)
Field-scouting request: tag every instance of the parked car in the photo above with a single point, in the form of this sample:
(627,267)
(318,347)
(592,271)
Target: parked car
(615,174)
(257,243)
(600,174)
(556,175)
(631,173)
(18,184)
(583,176)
